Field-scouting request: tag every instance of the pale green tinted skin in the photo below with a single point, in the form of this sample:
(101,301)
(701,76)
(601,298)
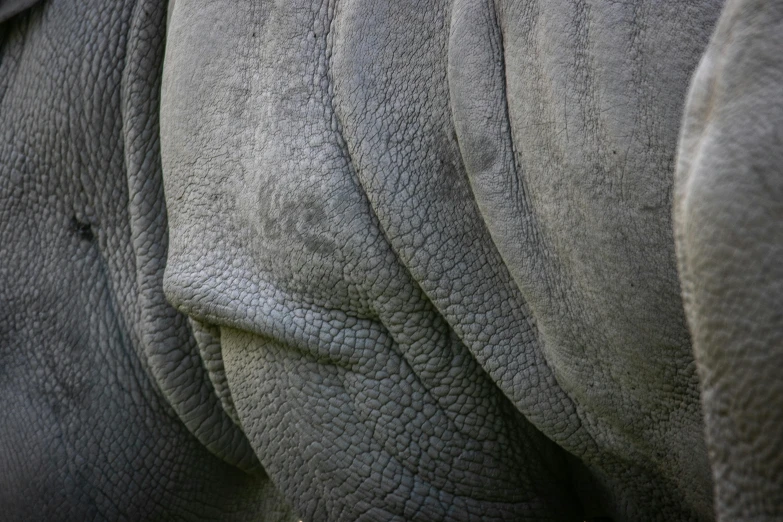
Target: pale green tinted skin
(435,242)
(729,224)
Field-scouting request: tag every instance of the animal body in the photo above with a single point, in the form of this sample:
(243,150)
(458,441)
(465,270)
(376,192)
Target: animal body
(425,250)
(99,376)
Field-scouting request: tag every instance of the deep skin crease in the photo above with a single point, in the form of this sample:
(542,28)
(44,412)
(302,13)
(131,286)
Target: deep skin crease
(728,217)
(426,250)
(434,238)
(107,413)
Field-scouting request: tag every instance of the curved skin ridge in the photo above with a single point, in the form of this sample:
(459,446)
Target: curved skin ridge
(107,413)
(10,8)
(170,353)
(434,241)
(547,112)
(728,213)
(361,382)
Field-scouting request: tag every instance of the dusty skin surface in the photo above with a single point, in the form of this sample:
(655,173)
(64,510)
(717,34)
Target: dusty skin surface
(434,239)
(729,216)
(423,255)
(100,379)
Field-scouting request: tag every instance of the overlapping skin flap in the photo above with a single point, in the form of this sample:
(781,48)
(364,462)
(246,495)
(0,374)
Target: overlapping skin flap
(436,240)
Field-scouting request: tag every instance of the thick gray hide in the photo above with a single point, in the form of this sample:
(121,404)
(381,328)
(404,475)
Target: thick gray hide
(729,223)
(432,232)
(100,378)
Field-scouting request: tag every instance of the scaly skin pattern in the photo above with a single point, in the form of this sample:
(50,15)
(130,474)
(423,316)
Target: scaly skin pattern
(434,243)
(107,411)
(729,227)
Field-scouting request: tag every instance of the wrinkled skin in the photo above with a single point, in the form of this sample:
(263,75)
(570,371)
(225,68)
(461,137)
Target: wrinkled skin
(99,376)
(433,242)
(729,211)
(426,251)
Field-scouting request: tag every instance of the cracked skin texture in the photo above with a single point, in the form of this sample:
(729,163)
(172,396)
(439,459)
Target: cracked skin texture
(728,216)
(434,241)
(88,429)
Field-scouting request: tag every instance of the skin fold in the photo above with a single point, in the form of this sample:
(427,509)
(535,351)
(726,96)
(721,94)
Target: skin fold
(108,413)
(728,215)
(435,238)
(369,260)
